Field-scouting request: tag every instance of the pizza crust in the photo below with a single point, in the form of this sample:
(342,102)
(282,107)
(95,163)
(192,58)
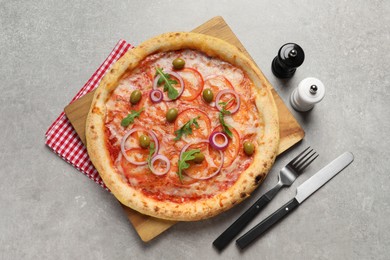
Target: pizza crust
(195,210)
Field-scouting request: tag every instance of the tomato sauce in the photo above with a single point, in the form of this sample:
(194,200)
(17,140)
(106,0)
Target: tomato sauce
(200,72)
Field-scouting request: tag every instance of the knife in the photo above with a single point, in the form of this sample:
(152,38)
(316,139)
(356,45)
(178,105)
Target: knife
(303,192)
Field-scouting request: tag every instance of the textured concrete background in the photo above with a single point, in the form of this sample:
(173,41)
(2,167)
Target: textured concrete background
(48,49)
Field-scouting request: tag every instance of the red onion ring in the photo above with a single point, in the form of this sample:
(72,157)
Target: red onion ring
(228,91)
(214,143)
(176,75)
(156,95)
(214,173)
(162,158)
(123,141)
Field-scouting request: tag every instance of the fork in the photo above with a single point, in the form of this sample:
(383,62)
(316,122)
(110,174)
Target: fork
(287,176)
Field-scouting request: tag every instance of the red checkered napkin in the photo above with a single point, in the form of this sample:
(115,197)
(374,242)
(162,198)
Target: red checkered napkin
(61,136)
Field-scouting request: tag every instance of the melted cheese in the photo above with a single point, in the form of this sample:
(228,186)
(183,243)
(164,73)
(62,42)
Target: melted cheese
(245,122)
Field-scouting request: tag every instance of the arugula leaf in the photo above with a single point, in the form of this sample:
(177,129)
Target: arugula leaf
(152,149)
(225,127)
(186,128)
(129,119)
(165,79)
(186,156)
(222,113)
(224,105)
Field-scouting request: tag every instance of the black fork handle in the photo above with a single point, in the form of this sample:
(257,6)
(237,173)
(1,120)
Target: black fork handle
(231,232)
(227,236)
(263,226)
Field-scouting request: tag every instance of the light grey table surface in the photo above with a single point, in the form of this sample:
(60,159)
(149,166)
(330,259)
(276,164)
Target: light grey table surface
(48,50)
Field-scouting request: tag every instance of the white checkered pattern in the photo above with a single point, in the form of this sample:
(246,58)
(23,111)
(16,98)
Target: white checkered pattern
(61,136)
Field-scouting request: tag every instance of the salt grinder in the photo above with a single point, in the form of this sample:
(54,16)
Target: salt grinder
(290,57)
(309,92)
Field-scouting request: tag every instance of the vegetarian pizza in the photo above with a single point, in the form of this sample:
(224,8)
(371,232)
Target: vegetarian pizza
(183,127)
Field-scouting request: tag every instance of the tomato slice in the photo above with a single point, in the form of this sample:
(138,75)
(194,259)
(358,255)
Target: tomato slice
(233,147)
(193,83)
(217,83)
(204,123)
(172,178)
(208,166)
(138,154)
(131,170)
(243,117)
(229,99)
(141,175)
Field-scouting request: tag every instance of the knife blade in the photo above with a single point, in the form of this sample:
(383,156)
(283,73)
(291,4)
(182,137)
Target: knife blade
(303,192)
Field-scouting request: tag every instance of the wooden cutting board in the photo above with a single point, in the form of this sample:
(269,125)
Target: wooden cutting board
(290,131)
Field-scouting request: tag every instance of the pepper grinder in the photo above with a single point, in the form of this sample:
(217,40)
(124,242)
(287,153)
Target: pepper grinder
(290,57)
(309,92)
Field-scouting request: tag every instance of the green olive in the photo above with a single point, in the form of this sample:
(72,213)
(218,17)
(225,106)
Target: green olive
(144,141)
(249,148)
(208,95)
(135,97)
(178,63)
(171,115)
(199,157)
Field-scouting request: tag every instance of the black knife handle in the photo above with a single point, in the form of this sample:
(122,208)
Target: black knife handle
(224,239)
(264,225)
